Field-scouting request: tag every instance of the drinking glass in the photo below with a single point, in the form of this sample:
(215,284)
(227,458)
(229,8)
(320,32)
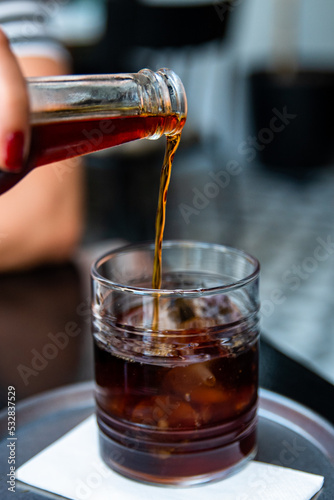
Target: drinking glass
(176,368)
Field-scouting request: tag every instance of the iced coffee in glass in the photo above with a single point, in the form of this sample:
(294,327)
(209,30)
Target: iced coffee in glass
(176,368)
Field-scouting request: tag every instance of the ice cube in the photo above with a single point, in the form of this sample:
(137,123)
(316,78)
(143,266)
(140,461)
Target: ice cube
(165,412)
(181,380)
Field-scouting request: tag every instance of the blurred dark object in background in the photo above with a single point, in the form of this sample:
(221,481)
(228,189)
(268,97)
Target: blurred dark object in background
(122,195)
(132,24)
(281,374)
(292,118)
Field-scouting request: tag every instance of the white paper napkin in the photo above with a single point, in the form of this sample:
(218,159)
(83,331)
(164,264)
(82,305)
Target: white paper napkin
(71,467)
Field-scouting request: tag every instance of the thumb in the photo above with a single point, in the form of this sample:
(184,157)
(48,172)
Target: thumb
(14,110)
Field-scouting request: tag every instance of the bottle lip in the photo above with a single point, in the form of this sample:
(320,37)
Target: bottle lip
(176,90)
(170,93)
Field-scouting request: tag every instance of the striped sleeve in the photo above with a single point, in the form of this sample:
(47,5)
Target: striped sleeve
(27,25)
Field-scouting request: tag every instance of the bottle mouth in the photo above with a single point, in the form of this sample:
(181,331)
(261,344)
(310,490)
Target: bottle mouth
(170,96)
(177,96)
(176,90)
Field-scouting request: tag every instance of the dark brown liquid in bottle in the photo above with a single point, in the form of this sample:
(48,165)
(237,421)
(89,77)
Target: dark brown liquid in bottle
(54,141)
(171,147)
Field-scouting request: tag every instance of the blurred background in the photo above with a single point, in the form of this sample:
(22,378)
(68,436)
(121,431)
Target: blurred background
(255,168)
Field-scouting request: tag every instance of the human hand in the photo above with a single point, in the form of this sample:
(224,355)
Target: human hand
(14,110)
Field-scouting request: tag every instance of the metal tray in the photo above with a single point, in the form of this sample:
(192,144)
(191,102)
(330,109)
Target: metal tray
(289,434)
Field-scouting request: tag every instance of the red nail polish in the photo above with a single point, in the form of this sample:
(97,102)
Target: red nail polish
(14,151)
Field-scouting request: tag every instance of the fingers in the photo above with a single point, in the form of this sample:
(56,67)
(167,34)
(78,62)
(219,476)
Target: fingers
(14,110)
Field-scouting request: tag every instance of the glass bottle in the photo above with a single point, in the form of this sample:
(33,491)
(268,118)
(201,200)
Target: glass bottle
(76,115)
